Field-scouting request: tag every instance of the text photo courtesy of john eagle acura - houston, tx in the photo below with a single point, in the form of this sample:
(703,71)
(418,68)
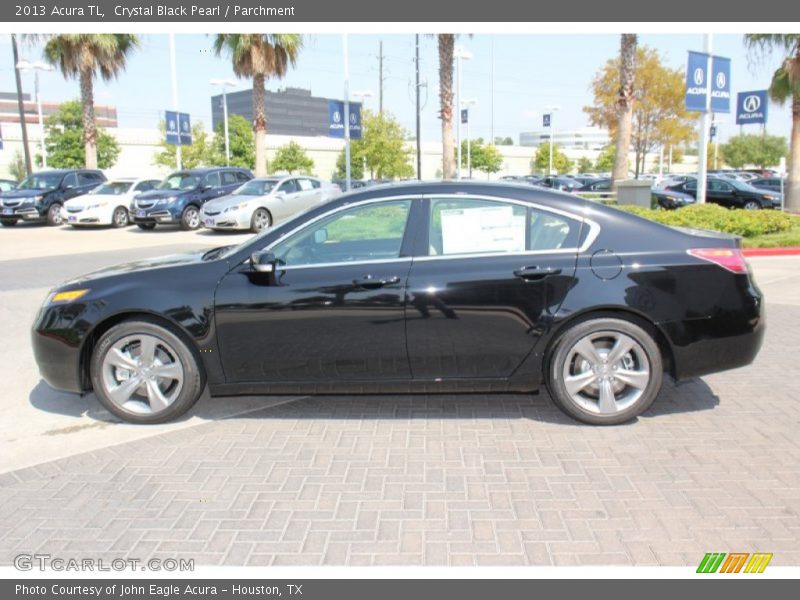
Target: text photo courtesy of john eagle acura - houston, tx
(387,297)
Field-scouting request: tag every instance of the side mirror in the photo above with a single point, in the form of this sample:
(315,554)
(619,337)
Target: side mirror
(263,262)
(320,236)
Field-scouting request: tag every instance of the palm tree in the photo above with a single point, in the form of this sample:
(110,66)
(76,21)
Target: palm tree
(785,85)
(627,70)
(258,56)
(83,55)
(447,43)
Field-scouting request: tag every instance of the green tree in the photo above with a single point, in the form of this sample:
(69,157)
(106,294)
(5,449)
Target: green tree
(291,158)
(584,165)
(785,86)
(83,56)
(485,158)
(356,165)
(241,142)
(382,147)
(503,141)
(541,160)
(605,160)
(195,155)
(258,56)
(659,114)
(17,168)
(754,150)
(64,140)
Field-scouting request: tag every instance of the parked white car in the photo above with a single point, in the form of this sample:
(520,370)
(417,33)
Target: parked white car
(262,202)
(107,204)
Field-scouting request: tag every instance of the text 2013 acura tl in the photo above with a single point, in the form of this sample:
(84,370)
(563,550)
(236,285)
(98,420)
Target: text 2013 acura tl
(415,287)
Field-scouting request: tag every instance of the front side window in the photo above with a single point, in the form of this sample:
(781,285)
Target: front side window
(228,178)
(288,187)
(212,180)
(71,180)
(471,226)
(362,233)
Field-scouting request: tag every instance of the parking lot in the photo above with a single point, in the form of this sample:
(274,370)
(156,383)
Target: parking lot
(412,480)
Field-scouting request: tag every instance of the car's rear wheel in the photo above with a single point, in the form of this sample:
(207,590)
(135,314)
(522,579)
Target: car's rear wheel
(190,218)
(144,373)
(120,218)
(8,222)
(146,226)
(605,371)
(752,205)
(260,220)
(54,215)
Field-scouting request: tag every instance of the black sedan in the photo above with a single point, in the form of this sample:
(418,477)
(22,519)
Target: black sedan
(428,287)
(670,200)
(731,193)
(771,184)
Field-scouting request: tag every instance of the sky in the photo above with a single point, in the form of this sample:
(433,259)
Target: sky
(529,73)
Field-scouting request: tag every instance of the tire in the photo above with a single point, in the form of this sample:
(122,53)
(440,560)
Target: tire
(190,218)
(170,377)
(146,226)
(120,218)
(751,205)
(589,386)
(8,222)
(260,220)
(54,215)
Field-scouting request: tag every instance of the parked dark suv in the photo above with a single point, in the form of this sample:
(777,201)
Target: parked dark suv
(40,196)
(179,197)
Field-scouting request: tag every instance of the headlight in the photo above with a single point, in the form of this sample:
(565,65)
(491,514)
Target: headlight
(37,198)
(65,297)
(768,197)
(236,207)
(97,205)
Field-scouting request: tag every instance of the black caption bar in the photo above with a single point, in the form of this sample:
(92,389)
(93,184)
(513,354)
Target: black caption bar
(266,11)
(385,589)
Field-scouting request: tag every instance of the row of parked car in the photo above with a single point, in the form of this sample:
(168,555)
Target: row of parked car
(219,198)
(732,189)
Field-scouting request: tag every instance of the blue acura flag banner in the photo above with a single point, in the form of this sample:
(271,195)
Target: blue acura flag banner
(751,108)
(697,83)
(179,128)
(336,119)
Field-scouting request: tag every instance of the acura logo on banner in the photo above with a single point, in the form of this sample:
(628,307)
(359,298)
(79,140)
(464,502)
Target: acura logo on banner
(697,83)
(464,115)
(546,120)
(179,128)
(336,119)
(751,108)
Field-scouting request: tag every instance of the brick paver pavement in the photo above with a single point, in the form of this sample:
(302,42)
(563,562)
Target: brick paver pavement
(458,480)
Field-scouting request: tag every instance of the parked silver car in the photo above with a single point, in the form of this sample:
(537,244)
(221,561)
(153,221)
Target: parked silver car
(262,202)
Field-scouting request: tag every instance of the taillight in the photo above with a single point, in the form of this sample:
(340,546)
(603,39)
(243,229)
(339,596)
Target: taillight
(727,258)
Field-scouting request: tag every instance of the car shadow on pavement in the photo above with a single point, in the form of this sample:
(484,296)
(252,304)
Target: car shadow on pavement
(687,397)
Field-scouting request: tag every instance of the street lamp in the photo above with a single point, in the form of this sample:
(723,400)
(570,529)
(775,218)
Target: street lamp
(715,130)
(460,54)
(551,108)
(467,102)
(25,65)
(225,83)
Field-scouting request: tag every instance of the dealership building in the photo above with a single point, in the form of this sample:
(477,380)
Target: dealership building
(586,138)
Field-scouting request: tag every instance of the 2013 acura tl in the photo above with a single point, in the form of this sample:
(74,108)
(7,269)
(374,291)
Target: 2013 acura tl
(414,287)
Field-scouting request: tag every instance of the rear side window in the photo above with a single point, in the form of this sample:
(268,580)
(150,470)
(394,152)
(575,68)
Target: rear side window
(229,178)
(242,177)
(472,226)
(70,180)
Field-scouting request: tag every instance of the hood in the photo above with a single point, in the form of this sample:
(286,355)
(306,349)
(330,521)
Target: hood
(226,201)
(81,200)
(26,193)
(160,194)
(161,262)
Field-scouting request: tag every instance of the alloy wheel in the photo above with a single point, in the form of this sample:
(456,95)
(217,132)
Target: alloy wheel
(120,217)
(142,374)
(606,372)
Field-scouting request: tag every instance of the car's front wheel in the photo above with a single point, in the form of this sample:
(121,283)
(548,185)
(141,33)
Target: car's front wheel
(605,371)
(190,218)
(144,373)
(54,215)
(120,218)
(260,220)
(752,205)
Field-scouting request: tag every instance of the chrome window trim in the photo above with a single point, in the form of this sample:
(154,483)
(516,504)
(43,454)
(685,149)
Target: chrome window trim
(594,230)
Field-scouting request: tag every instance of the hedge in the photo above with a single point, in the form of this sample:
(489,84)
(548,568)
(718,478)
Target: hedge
(746,223)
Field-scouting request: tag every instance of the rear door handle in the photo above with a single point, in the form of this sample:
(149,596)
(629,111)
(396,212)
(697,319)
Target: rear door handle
(368,282)
(536,273)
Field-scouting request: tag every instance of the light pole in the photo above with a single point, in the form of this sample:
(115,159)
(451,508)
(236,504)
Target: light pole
(225,83)
(346,59)
(174,77)
(551,109)
(37,66)
(715,126)
(702,151)
(460,54)
(467,102)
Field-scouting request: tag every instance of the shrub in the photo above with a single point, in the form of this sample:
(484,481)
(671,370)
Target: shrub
(746,223)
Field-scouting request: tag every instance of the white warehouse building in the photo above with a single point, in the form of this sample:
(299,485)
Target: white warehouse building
(586,138)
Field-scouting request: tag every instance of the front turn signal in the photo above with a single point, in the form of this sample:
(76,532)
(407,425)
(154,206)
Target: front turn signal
(69,296)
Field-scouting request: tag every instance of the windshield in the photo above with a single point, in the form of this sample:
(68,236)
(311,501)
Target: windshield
(180,181)
(41,181)
(256,187)
(113,188)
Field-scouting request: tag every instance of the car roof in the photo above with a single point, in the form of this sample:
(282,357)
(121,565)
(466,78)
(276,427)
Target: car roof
(205,170)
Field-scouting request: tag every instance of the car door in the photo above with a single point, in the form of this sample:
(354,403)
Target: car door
(229,181)
(309,194)
(285,200)
(212,187)
(721,192)
(494,275)
(335,308)
(69,187)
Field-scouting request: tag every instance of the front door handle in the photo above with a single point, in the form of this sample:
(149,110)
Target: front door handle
(368,282)
(536,273)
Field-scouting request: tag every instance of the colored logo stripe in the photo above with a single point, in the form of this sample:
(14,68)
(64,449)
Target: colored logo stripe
(711,562)
(758,563)
(714,562)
